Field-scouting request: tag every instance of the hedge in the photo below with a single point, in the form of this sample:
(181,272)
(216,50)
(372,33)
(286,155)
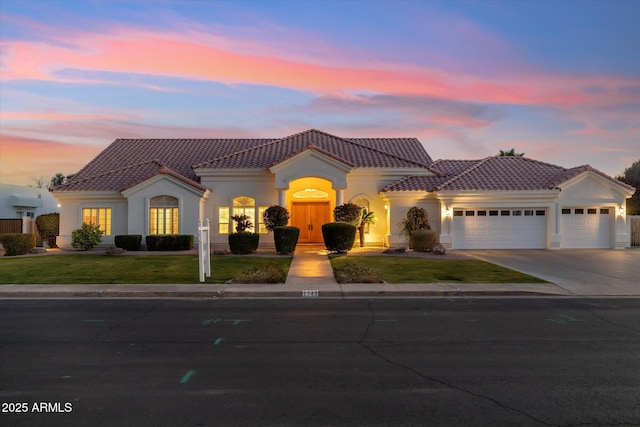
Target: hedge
(169,242)
(339,236)
(128,242)
(423,240)
(286,239)
(49,227)
(243,242)
(18,243)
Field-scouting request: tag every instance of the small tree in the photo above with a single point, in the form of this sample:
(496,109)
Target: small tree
(368,217)
(242,223)
(510,153)
(86,237)
(416,219)
(348,212)
(275,216)
(631,176)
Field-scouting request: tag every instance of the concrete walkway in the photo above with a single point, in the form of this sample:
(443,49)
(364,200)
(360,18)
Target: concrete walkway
(310,266)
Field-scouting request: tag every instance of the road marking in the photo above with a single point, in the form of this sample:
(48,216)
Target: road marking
(563,319)
(217,341)
(186,377)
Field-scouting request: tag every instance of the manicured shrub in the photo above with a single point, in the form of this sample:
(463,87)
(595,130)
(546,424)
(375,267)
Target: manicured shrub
(270,273)
(128,242)
(49,227)
(348,212)
(86,237)
(169,242)
(18,243)
(423,240)
(286,239)
(243,242)
(339,236)
(275,216)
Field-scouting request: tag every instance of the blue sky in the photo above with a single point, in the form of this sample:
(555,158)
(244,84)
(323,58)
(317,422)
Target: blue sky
(558,80)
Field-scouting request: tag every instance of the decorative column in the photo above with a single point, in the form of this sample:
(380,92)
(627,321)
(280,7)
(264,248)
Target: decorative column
(282,197)
(339,196)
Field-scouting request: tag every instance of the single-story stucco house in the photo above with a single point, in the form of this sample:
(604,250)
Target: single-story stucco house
(164,186)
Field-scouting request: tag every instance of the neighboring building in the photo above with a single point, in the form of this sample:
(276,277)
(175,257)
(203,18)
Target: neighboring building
(20,205)
(164,186)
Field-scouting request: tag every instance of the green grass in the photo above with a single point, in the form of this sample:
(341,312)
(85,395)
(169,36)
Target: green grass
(416,270)
(103,269)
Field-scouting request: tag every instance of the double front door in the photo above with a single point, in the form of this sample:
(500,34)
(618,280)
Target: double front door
(309,217)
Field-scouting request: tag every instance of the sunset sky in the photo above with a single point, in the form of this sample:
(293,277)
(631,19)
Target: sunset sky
(557,80)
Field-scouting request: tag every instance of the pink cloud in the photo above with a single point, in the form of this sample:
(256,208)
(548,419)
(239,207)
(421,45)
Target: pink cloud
(193,56)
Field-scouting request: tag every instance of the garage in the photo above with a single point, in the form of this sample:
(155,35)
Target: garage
(586,227)
(500,228)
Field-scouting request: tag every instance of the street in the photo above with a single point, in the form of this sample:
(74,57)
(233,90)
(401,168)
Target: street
(268,362)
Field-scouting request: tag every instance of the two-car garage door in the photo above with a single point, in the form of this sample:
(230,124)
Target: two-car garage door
(580,227)
(500,229)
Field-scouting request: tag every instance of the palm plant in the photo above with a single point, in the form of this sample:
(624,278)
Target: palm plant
(368,217)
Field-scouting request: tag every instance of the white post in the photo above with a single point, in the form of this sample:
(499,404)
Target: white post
(204,251)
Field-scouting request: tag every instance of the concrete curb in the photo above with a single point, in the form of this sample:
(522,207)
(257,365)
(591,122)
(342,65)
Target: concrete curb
(312,290)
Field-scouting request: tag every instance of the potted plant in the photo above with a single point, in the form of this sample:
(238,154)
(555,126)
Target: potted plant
(243,241)
(285,237)
(368,217)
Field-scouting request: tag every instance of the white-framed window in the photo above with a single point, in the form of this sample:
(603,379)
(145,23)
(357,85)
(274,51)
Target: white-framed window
(262,229)
(245,205)
(98,216)
(223,220)
(164,215)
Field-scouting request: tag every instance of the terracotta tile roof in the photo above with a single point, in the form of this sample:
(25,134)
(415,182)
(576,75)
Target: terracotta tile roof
(363,152)
(124,178)
(498,173)
(129,161)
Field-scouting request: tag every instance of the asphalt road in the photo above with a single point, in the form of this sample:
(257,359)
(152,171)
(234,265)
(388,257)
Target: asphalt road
(423,362)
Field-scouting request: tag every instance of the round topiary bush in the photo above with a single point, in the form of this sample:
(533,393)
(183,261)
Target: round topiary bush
(286,239)
(348,212)
(275,216)
(339,236)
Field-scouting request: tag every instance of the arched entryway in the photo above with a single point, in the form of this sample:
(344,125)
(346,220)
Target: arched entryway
(310,201)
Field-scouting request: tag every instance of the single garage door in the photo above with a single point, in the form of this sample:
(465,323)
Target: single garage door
(586,227)
(500,229)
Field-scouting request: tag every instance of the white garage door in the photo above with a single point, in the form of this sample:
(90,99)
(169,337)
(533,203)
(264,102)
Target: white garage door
(500,229)
(586,227)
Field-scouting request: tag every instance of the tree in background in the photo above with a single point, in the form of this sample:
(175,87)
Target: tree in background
(58,179)
(631,176)
(511,153)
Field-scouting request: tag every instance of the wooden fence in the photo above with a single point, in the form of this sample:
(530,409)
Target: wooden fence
(634,225)
(17,226)
(10,225)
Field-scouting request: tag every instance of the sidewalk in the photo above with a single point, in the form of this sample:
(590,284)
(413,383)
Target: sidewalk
(310,276)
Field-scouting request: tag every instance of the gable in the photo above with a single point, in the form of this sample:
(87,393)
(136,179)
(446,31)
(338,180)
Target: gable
(590,187)
(311,162)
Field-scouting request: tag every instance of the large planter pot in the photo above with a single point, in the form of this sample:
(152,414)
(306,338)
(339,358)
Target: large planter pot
(339,236)
(423,240)
(243,242)
(286,239)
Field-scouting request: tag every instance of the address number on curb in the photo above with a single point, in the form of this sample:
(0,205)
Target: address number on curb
(310,293)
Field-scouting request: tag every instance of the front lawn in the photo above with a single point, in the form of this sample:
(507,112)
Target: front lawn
(134,269)
(417,270)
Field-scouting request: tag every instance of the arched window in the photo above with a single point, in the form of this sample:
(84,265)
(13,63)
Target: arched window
(164,215)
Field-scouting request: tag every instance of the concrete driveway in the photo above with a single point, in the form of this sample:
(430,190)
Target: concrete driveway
(578,271)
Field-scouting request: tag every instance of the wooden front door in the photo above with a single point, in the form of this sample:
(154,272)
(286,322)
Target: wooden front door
(309,217)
